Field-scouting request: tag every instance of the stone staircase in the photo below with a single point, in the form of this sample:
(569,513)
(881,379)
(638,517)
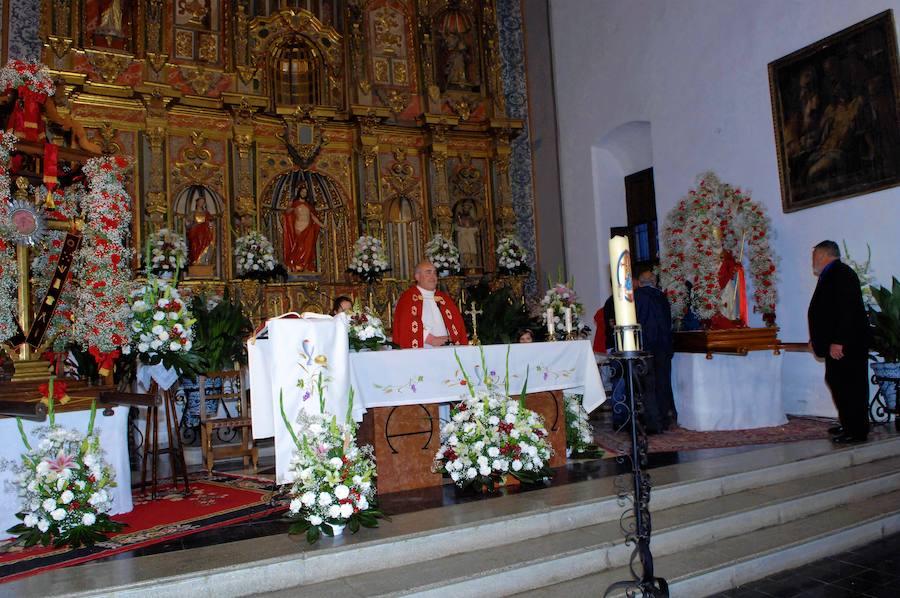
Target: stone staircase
(717,523)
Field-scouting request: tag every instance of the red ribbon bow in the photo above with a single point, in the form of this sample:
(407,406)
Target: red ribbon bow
(59,390)
(105,361)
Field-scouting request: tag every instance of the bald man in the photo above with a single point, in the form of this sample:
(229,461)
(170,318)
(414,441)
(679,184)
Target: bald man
(426,317)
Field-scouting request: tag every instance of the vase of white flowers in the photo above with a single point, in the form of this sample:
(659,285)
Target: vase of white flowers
(167,253)
(441,252)
(254,258)
(369,260)
(162,327)
(511,256)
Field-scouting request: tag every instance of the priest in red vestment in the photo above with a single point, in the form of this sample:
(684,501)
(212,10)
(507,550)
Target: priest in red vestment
(426,317)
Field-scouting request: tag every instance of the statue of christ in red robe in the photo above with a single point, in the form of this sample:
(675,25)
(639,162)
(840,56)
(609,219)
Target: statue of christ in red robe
(301,231)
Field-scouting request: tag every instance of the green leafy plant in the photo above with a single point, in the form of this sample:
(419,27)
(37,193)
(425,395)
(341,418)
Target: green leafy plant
(503,315)
(219,332)
(886,322)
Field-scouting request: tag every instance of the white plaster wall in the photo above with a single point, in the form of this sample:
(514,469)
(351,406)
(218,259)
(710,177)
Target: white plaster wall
(696,71)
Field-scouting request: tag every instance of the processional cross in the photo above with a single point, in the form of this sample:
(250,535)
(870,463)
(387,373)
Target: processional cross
(474,312)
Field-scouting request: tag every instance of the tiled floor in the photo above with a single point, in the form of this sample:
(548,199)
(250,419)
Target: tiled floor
(871,571)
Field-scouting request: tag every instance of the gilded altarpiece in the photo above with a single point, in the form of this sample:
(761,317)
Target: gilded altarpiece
(383,117)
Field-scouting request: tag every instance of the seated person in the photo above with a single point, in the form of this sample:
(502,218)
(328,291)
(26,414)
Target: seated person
(341,304)
(525,335)
(426,317)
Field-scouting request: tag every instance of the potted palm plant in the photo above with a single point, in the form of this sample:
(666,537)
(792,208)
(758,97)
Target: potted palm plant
(885,319)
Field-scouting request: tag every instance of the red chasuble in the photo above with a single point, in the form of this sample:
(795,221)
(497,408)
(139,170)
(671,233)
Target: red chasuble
(408,329)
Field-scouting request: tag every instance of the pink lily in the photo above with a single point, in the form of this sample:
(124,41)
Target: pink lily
(62,462)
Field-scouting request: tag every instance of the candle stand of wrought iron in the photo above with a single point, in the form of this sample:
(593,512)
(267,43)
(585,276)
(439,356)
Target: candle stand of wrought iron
(635,521)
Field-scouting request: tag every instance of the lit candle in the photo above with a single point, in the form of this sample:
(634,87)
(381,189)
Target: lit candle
(568,320)
(622,288)
(550,331)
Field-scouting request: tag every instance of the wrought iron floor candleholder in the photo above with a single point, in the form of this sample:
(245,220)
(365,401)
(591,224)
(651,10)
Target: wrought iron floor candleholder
(637,528)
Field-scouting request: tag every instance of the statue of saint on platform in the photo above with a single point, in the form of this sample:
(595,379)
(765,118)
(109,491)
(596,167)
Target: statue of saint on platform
(201,234)
(467,236)
(733,311)
(456,61)
(301,232)
(111,20)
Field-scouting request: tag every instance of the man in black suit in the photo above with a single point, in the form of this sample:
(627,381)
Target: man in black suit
(838,332)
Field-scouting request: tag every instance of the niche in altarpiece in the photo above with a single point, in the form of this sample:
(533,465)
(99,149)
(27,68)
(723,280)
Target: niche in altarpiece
(198,216)
(470,221)
(305,216)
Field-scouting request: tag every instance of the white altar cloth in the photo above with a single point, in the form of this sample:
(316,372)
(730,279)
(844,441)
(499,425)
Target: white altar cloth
(113,439)
(418,376)
(297,349)
(728,392)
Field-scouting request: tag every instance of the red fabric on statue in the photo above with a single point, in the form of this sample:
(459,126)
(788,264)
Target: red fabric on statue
(408,329)
(200,236)
(300,248)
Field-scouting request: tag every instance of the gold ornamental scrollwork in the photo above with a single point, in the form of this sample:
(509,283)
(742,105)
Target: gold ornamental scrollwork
(200,79)
(397,101)
(107,64)
(156,61)
(59,45)
(195,167)
(108,144)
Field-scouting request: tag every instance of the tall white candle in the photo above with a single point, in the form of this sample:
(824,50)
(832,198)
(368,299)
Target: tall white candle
(568,320)
(550,331)
(622,288)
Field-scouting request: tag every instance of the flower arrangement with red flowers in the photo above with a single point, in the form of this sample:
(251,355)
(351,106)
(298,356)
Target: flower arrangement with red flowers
(9,270)
(103,308)
(693,248)
(491,435)
(33,76)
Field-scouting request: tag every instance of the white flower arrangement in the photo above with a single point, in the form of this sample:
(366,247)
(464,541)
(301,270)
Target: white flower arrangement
(162,326)
(333,480)
(63,485)
(441,252)
(579,433)
(168,250)
(369,259)
(558,297)
(254,255)
(366,330)
(511,255)
(490,436)
(25,73)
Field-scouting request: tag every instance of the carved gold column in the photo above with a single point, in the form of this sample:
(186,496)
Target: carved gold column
(505,130)
(373,210)
(493,60)
(440,194)
(245,203)
(157,203)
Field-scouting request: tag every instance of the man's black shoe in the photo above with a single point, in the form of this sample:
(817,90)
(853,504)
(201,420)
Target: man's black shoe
(836,430)
(848,439)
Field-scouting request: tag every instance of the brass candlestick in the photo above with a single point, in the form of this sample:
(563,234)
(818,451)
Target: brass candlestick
(474,312)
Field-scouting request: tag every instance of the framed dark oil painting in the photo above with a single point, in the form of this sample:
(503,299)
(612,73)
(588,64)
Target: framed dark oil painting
(837,122)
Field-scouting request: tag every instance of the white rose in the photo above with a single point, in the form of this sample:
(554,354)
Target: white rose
(155,344)
(500,464)
(362,503)
(48,505)
(336,462)
(88,519)
(58,514)
(493,420)
(514,433)
(454,476)
(341,492)
(325,499)
(471,473)
(334,511)
(484,470)
(493,451)
(346,510)
(315,429)
(308,499)
(315,520)
(174,346)
(42,468)
(516,465)
(67,497)
(143,347)
(453,440)
(159,316)
(43,525)
(30,520)
(510,418)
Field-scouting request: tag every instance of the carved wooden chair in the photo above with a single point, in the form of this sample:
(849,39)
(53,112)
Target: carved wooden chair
(234,388)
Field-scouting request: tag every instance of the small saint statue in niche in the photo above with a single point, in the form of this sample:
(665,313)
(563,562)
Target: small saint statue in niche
(467,233)
(456,60)
(201,234)
(301,232)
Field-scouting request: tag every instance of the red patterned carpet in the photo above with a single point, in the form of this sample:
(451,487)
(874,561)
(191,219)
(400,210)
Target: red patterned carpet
(219,500)
(680,439)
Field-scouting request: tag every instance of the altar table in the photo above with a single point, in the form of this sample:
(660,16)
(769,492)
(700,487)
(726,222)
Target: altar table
(113,439)
(728,392)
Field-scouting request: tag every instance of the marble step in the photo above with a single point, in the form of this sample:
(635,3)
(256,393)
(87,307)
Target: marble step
(732,562)
(419,539)
(509,568)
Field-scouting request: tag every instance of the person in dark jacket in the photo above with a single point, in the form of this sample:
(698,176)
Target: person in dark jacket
(839,333)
